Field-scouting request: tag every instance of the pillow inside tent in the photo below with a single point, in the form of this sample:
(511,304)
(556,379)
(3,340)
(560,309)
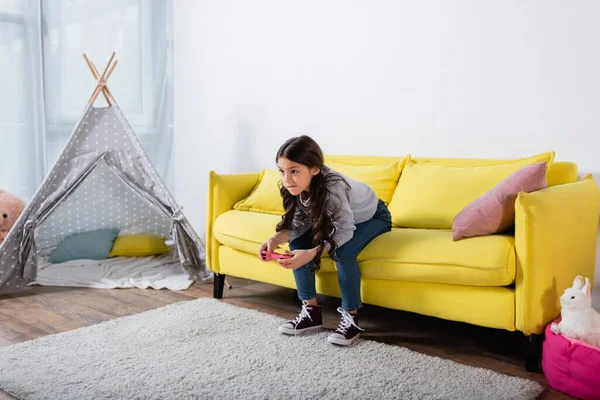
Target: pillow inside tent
(92,245)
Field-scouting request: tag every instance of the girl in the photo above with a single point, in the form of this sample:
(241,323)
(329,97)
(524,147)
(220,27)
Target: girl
(325,213)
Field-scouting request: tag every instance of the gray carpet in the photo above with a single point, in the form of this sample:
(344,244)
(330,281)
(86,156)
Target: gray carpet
(207,349)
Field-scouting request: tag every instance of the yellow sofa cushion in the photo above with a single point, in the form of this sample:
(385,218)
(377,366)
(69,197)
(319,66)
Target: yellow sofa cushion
(245,231)
(138,245)
(430,195)
(265,197)
(383,179)
(427,255)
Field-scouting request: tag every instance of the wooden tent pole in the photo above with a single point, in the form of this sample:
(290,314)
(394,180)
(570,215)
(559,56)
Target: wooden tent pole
(106,79)
(95,74)
(101,81)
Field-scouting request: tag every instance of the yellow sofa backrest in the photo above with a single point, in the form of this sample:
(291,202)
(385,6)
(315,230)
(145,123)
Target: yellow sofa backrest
(559,172)
(429,199)
(430,196)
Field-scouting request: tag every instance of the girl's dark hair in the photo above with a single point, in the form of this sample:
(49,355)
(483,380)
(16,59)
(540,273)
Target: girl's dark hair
(304,150)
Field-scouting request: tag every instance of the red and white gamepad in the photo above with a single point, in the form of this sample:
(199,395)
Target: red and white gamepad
(271,255)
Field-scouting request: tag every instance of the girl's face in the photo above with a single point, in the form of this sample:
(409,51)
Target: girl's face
(295,177)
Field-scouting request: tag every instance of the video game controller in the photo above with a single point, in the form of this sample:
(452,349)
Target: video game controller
(270,255)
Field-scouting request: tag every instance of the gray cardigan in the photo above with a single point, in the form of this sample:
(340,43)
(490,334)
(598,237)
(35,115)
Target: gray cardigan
(348,208)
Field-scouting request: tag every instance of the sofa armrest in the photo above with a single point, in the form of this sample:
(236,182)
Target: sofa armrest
(555,240)
(223,192)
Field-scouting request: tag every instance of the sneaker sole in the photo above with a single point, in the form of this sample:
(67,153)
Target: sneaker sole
(296,332)
(341,341)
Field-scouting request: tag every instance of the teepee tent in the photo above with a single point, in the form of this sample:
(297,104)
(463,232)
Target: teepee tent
(102,180)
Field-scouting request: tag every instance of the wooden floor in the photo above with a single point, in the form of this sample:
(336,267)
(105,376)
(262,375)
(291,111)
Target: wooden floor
(41,311)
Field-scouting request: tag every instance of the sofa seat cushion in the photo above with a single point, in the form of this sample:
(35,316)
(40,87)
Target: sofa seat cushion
(429,255)
(246,230)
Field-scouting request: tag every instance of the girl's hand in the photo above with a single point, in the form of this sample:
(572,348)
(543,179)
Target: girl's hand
(299,258)
(270,245)
(263,247)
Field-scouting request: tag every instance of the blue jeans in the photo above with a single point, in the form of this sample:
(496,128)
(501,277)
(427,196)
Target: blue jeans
(347,264)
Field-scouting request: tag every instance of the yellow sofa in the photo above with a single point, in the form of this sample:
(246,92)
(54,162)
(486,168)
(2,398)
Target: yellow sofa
(509,281)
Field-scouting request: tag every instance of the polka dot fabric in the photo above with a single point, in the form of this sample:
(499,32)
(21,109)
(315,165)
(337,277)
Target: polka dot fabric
(102,201)
(100,130)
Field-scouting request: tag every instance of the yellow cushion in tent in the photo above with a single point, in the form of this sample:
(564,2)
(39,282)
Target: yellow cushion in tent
(138,245)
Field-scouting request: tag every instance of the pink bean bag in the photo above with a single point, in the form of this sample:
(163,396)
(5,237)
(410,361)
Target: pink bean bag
(571,366)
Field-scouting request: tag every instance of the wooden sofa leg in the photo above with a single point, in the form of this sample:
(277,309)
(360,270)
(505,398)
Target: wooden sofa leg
(533,356)
(218,285)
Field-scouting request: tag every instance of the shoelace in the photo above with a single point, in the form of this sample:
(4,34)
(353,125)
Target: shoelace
(303,314)
(346,322)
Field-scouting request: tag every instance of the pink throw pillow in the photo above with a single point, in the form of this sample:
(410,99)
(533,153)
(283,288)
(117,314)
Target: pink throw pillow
(494,211)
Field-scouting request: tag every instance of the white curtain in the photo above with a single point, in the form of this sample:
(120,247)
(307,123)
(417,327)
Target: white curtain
(45,82)
(22,138)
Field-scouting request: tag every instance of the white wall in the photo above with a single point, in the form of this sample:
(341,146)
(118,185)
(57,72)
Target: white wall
(494,79)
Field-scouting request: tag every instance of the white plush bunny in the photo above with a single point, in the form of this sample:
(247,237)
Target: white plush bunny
(579,320)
